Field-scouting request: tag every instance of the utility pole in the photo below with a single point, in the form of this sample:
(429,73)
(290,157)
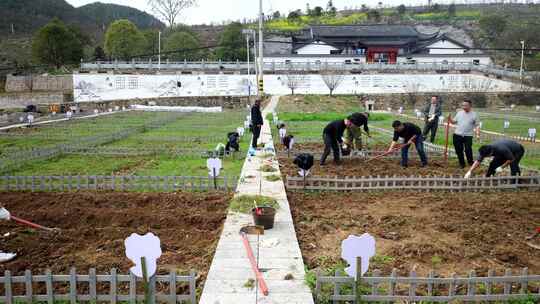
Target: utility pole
(521,67)
(255,58)
(261,68)
(159,50)
(248,33)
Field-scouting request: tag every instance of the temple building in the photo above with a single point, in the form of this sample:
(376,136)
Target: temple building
(387,44)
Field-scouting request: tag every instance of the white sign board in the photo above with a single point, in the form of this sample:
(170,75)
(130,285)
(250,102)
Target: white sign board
(282,133)
(357,246)
(303,173)
(96,111)
(532,132)
(69,114)
(213,165)
(30,118)
(147,246)
(240,131)
(506,124)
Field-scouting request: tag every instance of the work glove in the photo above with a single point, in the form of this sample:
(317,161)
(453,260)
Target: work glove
(468,175)
(4,214)
(499,170)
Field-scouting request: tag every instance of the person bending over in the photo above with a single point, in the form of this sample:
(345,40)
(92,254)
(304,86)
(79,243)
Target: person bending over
(505,153)
(333,135)
(411,133)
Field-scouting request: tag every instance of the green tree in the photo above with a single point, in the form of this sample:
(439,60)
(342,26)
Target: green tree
(294,16)
(317,11)
(182,41)
(99,53)
(123,40)
(452,10)
(54,44)
(401,9)
(151,41)
(276,15)
(374,15)
(330,8)
(232,44)
(493,25)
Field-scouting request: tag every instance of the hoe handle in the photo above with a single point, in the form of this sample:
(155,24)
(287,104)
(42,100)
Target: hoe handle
(27,223)
(260,279)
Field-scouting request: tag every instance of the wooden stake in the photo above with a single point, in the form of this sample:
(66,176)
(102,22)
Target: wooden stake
(215,181)
(358,278)
(446,140)
(145,281)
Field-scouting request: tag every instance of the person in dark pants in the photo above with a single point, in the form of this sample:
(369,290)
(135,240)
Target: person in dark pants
(466,124)
(333,135)
(411,133)
(505,153)
(256,122)
(432,112)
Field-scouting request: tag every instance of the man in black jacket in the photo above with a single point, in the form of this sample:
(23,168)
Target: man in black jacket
(256,122)
(505,153)
(432,112)
(411,133)
(333,134)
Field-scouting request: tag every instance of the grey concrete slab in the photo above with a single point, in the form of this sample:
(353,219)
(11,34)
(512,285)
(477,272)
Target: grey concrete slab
(277,251)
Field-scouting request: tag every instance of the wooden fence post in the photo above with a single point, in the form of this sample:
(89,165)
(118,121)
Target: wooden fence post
(73,285)
(113,286)
(49,286)
(28,286)
(7,286)
(93,284)
(192,286)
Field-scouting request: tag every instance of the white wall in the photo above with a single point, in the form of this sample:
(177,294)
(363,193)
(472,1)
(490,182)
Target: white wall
(314,59)
(450,46)
(98,87)
(316,48)
(483,60)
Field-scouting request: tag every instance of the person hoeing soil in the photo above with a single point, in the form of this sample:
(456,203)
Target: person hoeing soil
(333,134)
(504,152)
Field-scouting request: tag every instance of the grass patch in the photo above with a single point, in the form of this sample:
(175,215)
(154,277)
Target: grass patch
(267,168)
(245,203)
(250,284)
(272,178)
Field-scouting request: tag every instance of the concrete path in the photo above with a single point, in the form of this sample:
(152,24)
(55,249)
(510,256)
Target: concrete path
(277,250)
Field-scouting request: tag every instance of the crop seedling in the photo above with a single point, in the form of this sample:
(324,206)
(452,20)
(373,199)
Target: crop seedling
(272,178)
(268,168)
(245,203)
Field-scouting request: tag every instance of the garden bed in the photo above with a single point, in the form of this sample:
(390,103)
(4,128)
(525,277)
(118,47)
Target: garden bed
(94,226)
(449,233)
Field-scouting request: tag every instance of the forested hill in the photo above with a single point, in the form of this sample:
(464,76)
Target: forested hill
(26,16)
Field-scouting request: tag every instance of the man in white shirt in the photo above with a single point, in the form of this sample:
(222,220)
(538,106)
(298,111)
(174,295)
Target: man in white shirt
(466,122)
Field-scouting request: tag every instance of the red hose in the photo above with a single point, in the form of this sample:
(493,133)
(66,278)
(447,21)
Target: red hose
(262,283)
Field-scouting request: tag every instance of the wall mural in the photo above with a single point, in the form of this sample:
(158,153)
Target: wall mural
(102,87)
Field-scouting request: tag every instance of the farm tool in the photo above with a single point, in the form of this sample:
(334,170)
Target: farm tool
(254,230)
(5,215)
(388,152)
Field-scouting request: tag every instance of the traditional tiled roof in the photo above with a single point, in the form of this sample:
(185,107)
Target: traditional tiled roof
(359,31)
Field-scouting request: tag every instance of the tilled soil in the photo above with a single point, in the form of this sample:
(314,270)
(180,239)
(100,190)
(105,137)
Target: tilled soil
(447,232)
(382,167)
(94,226)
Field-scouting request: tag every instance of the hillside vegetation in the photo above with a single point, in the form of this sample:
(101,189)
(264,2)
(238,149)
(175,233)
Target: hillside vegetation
(27,16)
